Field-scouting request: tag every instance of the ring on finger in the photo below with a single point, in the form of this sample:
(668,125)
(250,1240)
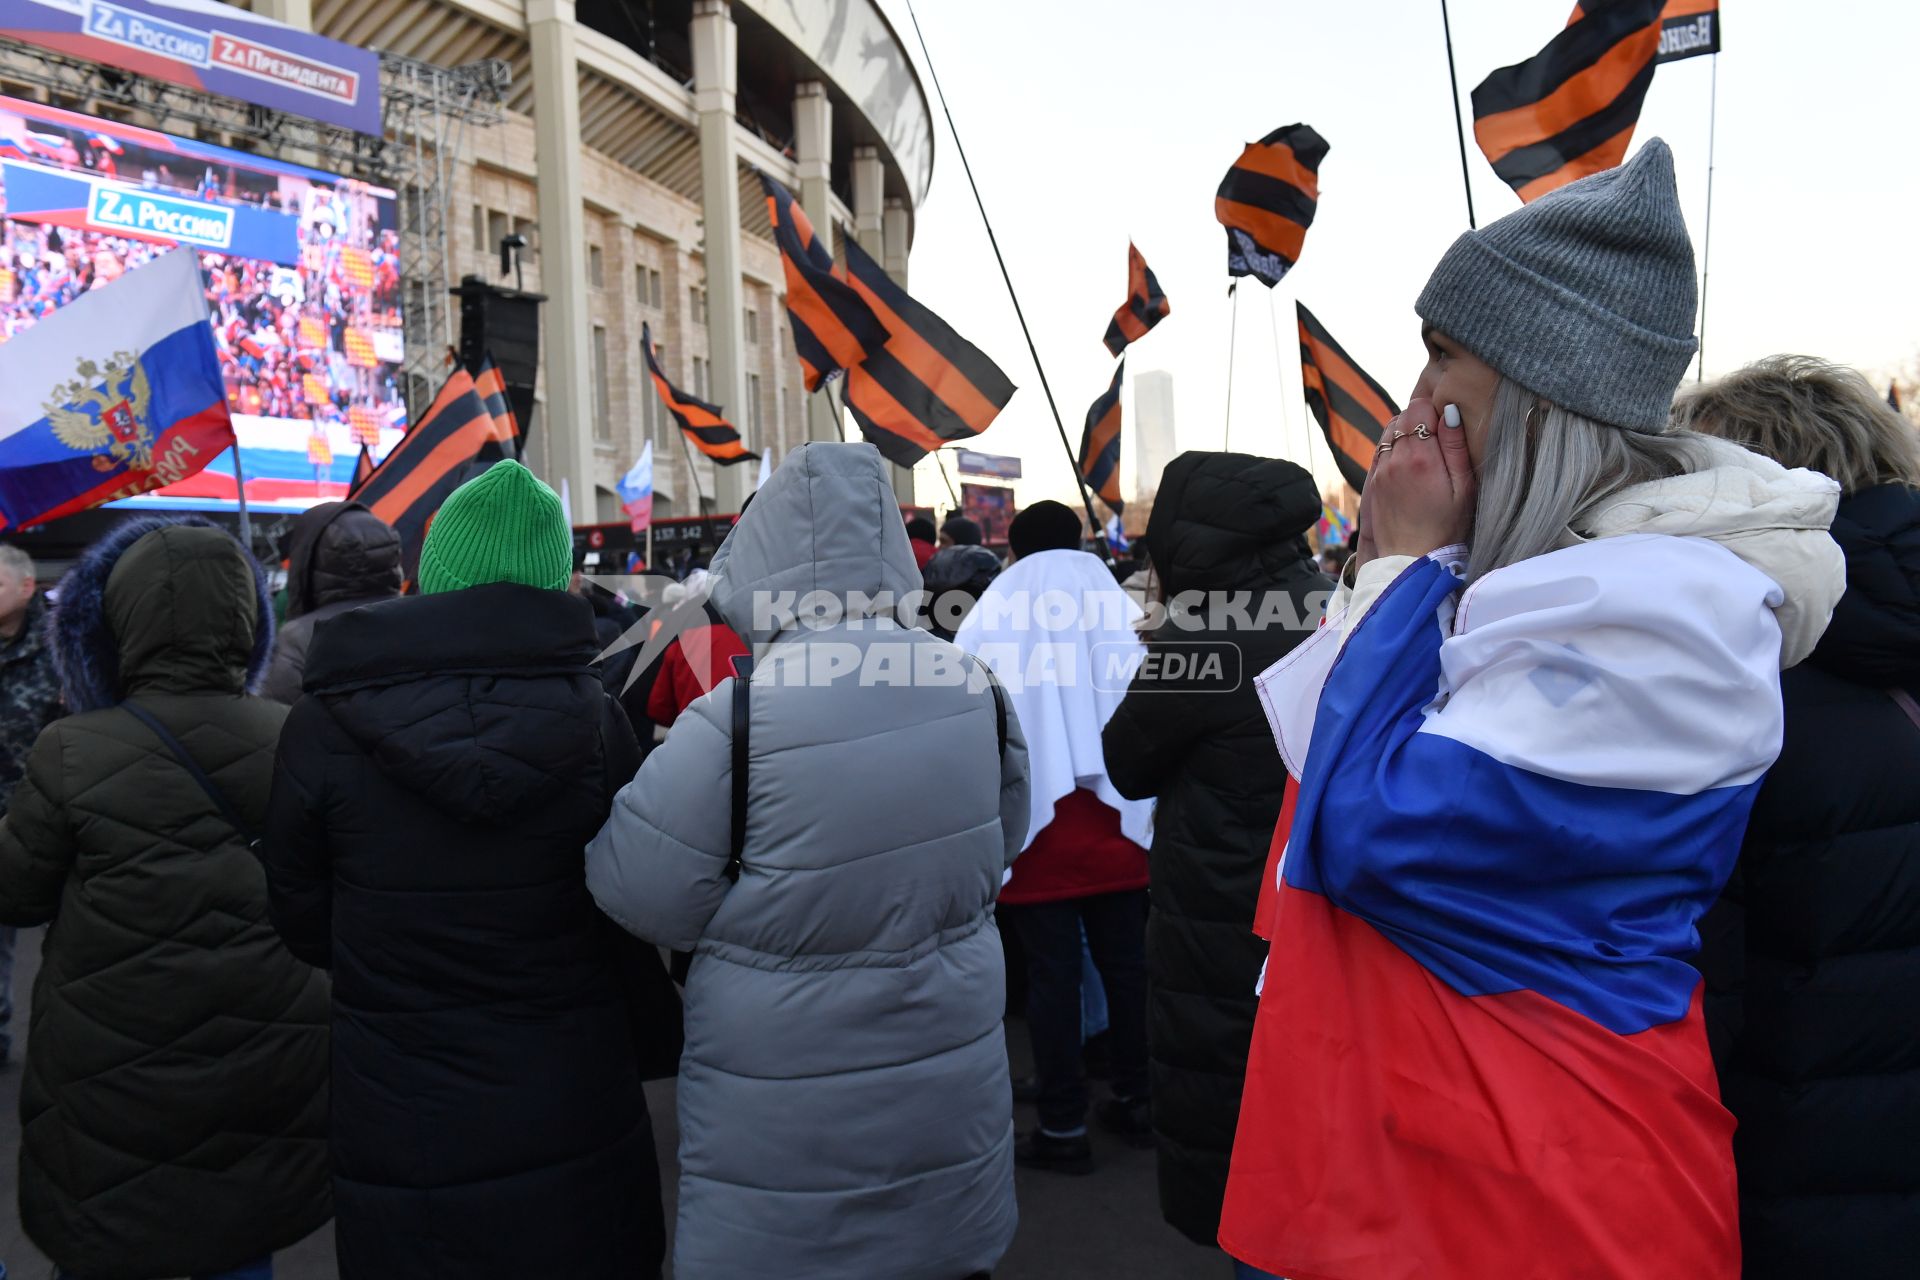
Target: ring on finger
(1423,431)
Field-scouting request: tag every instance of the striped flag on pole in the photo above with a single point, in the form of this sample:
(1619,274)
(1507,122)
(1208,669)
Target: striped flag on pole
(927,386)
(701,422)
(1100,444)
(1350,407)
(1570,110)
(1267,201)
(1144,308)
(429,463)
(833,329)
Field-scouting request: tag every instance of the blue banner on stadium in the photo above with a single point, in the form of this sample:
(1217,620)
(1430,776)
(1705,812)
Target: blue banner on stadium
(96,204)
(217,48)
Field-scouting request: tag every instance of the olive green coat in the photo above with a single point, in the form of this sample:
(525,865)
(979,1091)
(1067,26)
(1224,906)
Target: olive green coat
(174,1106)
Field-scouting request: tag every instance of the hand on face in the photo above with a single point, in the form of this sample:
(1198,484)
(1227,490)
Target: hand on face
(1419,496)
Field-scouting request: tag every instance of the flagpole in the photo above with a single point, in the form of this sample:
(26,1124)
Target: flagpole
(1459,124)
(693,474)
(240,492)
(940,460)
(840,418)
(1073,459)
(1233,340)
(1706,249)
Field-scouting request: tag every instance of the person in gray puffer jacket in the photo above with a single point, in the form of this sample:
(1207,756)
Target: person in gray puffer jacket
(339,556)
(845,1108)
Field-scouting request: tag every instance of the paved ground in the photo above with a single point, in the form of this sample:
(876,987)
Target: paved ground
(1106,1227)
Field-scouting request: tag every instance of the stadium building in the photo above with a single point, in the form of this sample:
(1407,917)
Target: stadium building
(623,150)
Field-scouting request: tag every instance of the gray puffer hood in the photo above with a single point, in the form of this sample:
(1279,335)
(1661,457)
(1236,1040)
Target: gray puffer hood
(827,521)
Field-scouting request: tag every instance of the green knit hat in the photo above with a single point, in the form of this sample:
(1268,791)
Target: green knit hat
(501,526)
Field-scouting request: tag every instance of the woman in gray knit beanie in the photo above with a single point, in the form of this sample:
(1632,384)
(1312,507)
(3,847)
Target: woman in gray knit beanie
(1527,742)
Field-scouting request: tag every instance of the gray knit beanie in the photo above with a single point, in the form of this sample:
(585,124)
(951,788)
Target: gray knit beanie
(1586,296)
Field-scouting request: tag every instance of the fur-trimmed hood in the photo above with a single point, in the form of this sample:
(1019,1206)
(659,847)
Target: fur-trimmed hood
(161,604)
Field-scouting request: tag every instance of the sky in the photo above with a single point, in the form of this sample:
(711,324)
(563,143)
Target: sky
(1089,122)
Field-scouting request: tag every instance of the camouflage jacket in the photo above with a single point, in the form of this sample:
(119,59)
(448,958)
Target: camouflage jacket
(29,696)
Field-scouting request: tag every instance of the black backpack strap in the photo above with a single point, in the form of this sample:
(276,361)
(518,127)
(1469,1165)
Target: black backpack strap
(742,720)
(192,766)
(999,702)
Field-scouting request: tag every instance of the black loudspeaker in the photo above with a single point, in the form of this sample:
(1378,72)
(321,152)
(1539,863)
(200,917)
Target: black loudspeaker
(503,324)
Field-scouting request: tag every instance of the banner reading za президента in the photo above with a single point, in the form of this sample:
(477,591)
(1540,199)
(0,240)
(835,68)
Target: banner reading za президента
(213,47)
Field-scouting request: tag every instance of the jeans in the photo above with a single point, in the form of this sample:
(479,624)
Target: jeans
(1241,1271)
(1093,994)
(8,936)
(261,1270)
(1116,934)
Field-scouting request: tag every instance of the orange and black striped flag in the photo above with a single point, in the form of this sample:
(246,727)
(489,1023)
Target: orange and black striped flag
(1688,28)
(1100,444)
(710,433)
(362,472)
(1144,308)
(1350,407)
(1570,110)
(428,464)
(927,386)
(1266,202)
(832,328)
(492,387)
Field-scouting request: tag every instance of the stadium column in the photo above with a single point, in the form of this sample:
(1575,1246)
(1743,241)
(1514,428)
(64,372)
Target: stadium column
(715,74)
(295,13)
(813,155)
(894,235)
(553,38)
(869,228)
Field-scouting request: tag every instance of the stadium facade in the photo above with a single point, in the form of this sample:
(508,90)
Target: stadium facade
(626,158)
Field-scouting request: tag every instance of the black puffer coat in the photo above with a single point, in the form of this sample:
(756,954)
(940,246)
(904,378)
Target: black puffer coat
(174,1107)
(1223,522)
(339,557)
(1813,955)
(435,792)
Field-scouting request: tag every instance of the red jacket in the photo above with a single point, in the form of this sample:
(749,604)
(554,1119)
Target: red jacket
(1079,854)
(697,660)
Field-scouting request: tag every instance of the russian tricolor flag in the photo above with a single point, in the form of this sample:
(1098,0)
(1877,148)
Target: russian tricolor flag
(1480,1050)
(114,394)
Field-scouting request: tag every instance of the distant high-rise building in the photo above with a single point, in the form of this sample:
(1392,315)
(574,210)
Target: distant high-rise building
(1152,431)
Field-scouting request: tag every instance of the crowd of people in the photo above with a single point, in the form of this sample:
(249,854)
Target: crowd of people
(1432,910)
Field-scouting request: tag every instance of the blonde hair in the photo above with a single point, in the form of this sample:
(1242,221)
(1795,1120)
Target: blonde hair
(1543,466)
(1806,412)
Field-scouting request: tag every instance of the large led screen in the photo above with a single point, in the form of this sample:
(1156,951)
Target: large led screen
(303,284)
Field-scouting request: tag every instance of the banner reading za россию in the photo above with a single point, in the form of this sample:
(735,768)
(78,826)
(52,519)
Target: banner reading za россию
(209,46)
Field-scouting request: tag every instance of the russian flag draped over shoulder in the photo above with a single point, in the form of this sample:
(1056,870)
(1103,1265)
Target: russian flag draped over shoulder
(111,396)
(1480,1049)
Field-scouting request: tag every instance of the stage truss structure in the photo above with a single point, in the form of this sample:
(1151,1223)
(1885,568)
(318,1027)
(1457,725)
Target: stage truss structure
(427,111)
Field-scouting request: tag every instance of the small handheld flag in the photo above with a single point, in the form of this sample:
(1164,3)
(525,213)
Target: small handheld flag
(1144,308)
(1351,408)
(701,422)
(1570,110)
(636,490)
(1267,201)
(1100,445)
(833,329)
(117,393)
(927,386)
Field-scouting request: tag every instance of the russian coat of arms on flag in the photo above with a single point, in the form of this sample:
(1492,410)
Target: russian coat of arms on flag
(118,393)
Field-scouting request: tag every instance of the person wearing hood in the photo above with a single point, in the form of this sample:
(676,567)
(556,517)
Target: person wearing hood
(1223,525)
(29,701)
(1812,956)
(1527,746)
(1080,886)
(173,1113)
(845,1108)
(491,1029)
(339,557)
